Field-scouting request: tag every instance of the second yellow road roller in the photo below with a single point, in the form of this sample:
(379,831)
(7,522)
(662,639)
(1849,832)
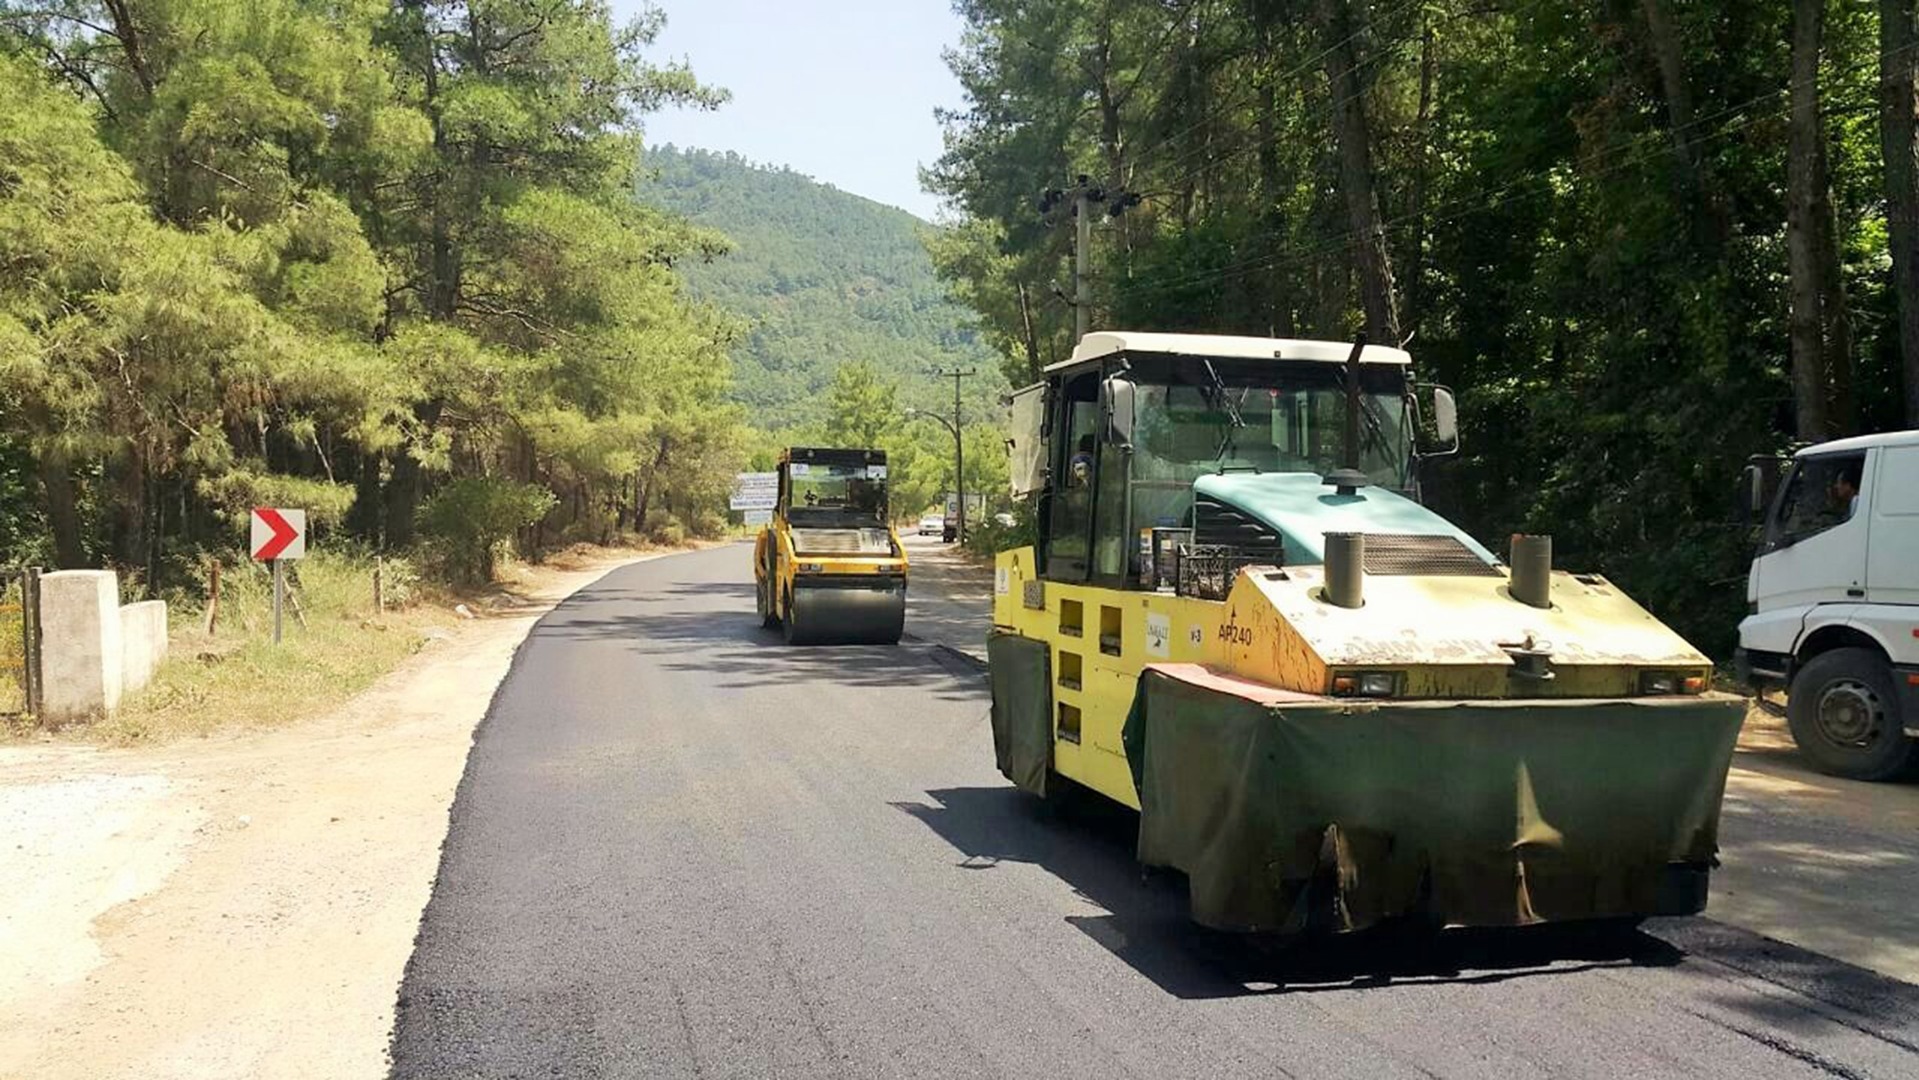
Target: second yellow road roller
(829,569)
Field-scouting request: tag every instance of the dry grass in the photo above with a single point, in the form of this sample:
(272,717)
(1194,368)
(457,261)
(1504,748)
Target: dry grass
(236,678)
(12,652)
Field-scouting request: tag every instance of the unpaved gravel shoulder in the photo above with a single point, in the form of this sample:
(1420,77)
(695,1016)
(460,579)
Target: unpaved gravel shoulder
(239,906)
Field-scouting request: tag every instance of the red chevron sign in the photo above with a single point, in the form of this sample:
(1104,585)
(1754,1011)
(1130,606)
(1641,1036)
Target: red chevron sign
(279,534)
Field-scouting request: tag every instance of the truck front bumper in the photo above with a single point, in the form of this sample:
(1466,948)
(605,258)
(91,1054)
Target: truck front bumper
(1905,681)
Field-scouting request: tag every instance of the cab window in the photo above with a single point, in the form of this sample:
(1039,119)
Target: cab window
(1822,493)
(1070,521)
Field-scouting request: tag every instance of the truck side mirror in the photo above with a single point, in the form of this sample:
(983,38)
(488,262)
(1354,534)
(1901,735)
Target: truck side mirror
(1758,483)
(1445,422)
(1116,401)
(1752,493)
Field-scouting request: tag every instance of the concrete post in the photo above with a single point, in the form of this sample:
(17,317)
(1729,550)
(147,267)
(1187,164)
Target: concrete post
(143,643)
(81,651)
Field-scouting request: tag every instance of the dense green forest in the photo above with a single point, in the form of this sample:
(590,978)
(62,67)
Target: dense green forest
(820,276)
(1643,238)
(378,260)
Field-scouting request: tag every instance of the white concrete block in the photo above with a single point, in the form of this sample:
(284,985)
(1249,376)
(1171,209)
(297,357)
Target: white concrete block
(143,642)
(80,644)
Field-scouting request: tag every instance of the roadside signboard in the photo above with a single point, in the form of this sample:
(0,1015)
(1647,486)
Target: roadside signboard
(758,517)
(755,491)
(278,534)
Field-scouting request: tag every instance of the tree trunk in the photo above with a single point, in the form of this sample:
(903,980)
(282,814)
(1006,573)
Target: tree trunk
(364,518)
(129,515)
(1668,55)
(402,500)
(63,514)
(1112,144)
(1713,224)
(647,484)
(1029,336)
(1897,40)
(1422,174)
(1834,308)
(1356,180)
(1272,288)
(1805,268)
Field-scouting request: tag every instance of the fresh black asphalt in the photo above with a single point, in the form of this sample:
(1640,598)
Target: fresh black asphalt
(681,848)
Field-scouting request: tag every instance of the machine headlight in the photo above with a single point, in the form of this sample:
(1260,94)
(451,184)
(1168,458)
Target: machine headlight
(1366,684)
(1670,682)
(811,567)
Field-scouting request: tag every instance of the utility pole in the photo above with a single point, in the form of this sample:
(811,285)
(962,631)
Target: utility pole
(1083,195)
(959,447)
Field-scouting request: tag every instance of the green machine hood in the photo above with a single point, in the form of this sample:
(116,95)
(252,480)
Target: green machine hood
(1302,509)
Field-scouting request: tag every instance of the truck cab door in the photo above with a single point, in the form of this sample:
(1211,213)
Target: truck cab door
(1892,500)
(1815,545)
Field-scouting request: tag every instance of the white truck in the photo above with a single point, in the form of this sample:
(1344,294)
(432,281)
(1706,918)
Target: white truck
(1833,597)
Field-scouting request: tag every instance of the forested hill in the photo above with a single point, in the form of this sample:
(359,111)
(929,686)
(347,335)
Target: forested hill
(821,276)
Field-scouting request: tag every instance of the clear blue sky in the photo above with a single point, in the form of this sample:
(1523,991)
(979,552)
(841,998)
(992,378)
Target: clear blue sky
(842,90)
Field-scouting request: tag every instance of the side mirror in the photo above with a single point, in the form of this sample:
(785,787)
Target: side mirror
(1445,422)
(1116,400)
(1752,492)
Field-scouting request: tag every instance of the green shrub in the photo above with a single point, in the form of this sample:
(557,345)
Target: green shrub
(988,537)
(467,521)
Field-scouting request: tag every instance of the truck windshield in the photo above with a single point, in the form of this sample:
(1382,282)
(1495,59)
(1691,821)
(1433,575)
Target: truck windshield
(836,494)
(1287,421)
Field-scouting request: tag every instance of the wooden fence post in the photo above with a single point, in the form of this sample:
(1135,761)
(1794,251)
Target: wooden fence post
(213,597)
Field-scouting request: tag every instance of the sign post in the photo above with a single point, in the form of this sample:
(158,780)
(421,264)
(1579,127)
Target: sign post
(278,535)
(755,491)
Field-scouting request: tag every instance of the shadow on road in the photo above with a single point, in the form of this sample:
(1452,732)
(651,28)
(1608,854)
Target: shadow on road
(1088,843)
(713,628)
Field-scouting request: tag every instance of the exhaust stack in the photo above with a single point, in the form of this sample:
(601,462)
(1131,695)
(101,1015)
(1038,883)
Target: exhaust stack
(1532,570)
(1346,569)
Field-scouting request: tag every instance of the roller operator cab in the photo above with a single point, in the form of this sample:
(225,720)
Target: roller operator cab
(1833,597)
(829,569)
(1330,705)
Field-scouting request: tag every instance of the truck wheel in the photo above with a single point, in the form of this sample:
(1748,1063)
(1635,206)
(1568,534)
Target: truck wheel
(1843,711)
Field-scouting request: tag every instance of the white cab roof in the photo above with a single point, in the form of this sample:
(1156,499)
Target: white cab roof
(1864,442)
(1107,342)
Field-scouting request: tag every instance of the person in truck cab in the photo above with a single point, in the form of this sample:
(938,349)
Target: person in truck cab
(1845,492)
(1080,467)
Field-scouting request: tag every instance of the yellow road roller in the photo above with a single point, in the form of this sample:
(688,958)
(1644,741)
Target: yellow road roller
(1331,706)
(829,569)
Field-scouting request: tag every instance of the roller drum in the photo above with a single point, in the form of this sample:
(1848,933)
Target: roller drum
(848,611)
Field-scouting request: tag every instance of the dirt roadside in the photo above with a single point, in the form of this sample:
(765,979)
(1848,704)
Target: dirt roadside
(240,906)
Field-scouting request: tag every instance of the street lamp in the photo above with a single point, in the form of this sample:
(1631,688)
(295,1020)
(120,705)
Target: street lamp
(959,464)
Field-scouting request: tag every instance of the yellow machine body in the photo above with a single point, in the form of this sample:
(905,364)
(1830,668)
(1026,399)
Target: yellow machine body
(1439,637)
(833,572)
(1330,705)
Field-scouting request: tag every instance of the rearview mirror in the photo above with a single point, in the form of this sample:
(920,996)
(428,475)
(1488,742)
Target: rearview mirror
(1116,400)
(1445,422)
(1751,487)
(1757,483)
